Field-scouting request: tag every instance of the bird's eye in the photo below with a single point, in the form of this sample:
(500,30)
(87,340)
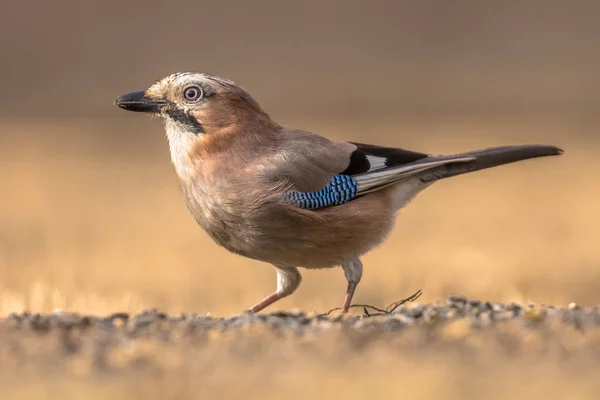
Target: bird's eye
(193,93)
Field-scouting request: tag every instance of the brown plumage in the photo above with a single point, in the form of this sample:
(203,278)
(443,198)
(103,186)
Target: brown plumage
(235,165)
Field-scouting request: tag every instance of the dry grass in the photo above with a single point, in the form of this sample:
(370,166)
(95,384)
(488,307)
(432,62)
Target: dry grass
(91,221)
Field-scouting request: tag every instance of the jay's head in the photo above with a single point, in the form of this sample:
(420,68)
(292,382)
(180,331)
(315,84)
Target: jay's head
(203,115)
(196,104)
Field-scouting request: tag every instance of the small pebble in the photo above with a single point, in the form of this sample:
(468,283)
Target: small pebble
(456,301)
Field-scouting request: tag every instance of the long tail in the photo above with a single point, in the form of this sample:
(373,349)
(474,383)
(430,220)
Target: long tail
(487,158)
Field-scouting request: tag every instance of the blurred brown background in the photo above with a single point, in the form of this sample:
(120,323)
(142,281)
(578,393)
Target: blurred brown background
(91,218)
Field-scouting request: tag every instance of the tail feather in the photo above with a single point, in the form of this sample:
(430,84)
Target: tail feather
(488,158)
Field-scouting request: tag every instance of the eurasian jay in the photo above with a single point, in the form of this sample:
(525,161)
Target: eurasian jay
(285,196)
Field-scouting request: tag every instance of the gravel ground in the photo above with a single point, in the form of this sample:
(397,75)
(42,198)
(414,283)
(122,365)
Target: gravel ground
(462,334)
(455,318)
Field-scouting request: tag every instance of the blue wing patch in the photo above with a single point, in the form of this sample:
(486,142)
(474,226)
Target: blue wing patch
(341,190)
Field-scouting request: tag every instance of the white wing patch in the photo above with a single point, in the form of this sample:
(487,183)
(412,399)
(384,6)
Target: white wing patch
(375,180)
(376,162)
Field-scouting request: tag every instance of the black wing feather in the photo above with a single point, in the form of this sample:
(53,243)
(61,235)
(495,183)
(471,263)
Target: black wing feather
(359,162)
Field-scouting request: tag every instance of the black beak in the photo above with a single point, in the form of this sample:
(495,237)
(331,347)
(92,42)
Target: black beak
(137,101)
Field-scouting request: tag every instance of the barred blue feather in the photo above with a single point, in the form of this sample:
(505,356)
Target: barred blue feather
(342,189)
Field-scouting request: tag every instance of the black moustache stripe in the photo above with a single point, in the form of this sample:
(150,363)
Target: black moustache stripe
(186,119)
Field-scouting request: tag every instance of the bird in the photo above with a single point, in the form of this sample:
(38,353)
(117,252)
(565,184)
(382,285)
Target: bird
(290,197)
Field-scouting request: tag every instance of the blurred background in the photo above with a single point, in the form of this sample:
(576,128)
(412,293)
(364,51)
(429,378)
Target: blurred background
(91,217)
(92,221)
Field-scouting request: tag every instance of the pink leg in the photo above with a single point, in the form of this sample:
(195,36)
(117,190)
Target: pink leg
(264,303)
(349,293)
(288,280)
(353,271)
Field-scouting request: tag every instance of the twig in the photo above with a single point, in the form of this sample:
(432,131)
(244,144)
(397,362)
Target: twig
(352,306)
(392,307)
(388,310)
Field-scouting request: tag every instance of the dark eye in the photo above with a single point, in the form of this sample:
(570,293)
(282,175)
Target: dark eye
(193,93)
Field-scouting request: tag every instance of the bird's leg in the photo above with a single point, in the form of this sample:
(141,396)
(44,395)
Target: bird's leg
(288,280)
(353,271)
